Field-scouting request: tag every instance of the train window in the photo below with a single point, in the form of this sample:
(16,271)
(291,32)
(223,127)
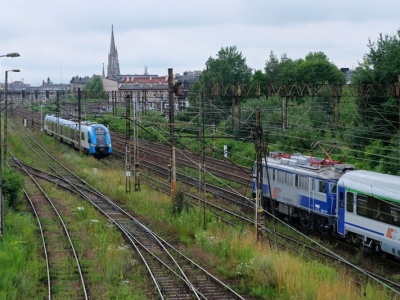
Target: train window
(362,207)
(378,212)
(271,174)
(274,175)
(341,199)
(395,216)
(289,179)
(281,176)
(332,188)
(321,186)
(302,182)
(350,202)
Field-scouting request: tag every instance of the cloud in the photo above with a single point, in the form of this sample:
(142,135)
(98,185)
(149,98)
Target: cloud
(73,38)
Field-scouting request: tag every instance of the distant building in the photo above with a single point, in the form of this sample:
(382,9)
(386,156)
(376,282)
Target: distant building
(113,63)
(78,82)
(152,91)
(109,85)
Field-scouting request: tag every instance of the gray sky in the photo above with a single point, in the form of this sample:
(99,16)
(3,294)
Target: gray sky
(62,39)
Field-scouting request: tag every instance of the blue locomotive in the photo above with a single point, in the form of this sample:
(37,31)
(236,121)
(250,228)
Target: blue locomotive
(332,198)
(94,139)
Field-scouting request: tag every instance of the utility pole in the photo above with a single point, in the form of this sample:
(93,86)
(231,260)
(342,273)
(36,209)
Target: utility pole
(203,158)
(233,106)
(397,93)
(127,144)
(284,110)
(79,118)
(136,144)
(259,141)
(172,131)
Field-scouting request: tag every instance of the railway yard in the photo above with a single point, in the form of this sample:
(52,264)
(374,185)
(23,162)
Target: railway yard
(170,270)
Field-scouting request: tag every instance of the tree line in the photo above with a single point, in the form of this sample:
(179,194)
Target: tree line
(366,125)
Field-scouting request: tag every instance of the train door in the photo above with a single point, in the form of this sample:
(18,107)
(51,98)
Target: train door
(341,210)
(312,194)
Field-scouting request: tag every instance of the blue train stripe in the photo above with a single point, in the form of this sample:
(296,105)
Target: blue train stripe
(366,229)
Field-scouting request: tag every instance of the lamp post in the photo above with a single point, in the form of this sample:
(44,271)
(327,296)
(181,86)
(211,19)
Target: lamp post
(5,149)
(12,54)
(5,114)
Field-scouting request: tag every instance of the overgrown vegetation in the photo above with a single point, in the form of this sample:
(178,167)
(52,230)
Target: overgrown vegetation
(233,253)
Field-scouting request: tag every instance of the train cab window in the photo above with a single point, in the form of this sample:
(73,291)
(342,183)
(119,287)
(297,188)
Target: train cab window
(362,207)
(321,186)
(100,134)
(332,188)
(350,202)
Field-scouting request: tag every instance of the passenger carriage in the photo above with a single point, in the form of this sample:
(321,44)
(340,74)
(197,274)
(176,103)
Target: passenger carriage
(369,210)
(93,138)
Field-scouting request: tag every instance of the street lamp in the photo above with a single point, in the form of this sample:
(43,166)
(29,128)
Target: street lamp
(5,143)
(12,54)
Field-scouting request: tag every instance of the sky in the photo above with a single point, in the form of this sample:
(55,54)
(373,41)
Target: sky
(63,39)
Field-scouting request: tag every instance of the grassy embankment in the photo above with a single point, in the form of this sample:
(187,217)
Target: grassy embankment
(230,253)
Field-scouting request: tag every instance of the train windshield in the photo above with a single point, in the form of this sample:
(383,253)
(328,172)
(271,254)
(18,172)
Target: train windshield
(332,187)
(100,134)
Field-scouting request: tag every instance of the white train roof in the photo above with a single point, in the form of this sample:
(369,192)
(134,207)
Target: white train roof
(380,185)
(73,124)
(306,165)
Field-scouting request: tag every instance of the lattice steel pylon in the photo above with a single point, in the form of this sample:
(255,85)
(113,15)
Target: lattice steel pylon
(128,97)
(136,144)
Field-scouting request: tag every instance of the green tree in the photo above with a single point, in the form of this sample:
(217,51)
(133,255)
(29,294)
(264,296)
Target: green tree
(94,85)
(316,68)
(258,78)
(13,183)
(381,66)
(229,67)
(283,71)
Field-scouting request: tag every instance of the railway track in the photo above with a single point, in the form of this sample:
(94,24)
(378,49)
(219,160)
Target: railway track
(62,261)
(155,167)
(175,276)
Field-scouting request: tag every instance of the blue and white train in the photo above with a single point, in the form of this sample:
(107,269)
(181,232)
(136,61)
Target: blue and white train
(361,206)
(369,210)
(94,138)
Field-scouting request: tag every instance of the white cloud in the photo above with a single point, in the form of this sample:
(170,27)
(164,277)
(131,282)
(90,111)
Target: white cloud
(73,38)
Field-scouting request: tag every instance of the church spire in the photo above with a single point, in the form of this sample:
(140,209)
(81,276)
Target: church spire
(113,63)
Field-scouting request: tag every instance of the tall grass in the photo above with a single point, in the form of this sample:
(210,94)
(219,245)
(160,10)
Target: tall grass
(233,253)
(20,267)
